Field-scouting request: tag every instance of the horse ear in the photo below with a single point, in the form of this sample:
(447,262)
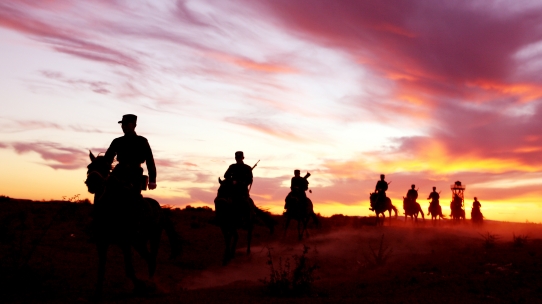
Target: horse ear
(91,156)
(219,181)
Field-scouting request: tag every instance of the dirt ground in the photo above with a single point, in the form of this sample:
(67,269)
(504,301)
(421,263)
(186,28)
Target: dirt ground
(46,255)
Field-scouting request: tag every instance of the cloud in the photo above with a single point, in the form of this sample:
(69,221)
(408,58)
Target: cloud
(13,126)
(55,155)
(100,87)
(270,128)
(32,20)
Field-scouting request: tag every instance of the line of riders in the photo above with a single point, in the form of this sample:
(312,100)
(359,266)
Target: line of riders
(132,150)
(122,216)
(411,206)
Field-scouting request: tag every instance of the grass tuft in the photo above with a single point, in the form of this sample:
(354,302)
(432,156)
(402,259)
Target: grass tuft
(290,278)
(379,257)
(519,240)
(489,239)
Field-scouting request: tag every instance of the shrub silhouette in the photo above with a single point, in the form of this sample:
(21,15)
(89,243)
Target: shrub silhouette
(287,279)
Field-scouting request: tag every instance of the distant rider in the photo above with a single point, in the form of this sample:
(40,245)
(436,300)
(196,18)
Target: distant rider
(298,186)
(476,204)
(434,197)
(380,188)
(131,151)
(412,196)
(241,176)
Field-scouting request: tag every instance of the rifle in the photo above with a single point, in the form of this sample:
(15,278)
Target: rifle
(307,176)
(250,186)
(255,164)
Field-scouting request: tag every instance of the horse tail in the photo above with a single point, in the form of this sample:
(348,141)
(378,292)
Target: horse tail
(173,236)
(394,210)
(266,218)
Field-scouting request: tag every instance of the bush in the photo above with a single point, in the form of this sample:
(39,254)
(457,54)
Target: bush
(380,257)
(285,280)
(489,239)
(519,240)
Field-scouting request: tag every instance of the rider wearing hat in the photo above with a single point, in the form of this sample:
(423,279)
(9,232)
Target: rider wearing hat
(298,186)
(241,175)
(434,197)
(412,195)
(380,188)
(131,151)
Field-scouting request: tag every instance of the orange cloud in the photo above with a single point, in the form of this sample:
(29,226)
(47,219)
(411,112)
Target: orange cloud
(253,65)
(525,91)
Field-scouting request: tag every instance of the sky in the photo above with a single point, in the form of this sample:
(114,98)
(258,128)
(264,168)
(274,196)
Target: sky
(426,92)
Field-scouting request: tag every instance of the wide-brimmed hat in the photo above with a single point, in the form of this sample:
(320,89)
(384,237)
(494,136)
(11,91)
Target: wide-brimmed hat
(128,118)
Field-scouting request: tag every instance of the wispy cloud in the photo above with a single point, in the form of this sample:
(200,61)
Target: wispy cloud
(55,155)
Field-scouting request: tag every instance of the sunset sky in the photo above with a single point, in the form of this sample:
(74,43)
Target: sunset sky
(426,92)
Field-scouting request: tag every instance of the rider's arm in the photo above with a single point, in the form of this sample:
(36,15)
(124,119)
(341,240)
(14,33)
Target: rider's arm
(250,176)
(111,151)
(227,174)
(149,160)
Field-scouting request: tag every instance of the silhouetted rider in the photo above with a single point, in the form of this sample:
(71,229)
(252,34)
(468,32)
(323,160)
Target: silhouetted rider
(299,184)
(434,197)
(380,188)
(476,204)
(412,195)
(241,176)
(132,150)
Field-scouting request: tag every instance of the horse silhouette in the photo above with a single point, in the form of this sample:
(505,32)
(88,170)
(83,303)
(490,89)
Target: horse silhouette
(476,216)
(380,207)
(122,217)
(233,214)
(300,212)
(412,209)
(458,213)
(435,210)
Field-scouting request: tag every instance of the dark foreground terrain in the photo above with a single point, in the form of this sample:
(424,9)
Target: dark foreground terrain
(46,255)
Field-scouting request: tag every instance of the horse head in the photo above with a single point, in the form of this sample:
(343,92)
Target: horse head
(97,172)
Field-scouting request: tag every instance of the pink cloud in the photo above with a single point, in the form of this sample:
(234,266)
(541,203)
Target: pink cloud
(18,16)
(55,155)
(100,87)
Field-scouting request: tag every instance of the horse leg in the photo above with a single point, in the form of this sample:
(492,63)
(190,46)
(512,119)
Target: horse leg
(286,225)
(305,225)
(102,258)
(172,235)
(227,241)
(300,230)
(249,237)
(141,248)
(233,247)
(139,285)
(155,244)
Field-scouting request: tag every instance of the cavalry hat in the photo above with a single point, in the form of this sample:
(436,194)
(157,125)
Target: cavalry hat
(297,170)
(128,118)
(239,154)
